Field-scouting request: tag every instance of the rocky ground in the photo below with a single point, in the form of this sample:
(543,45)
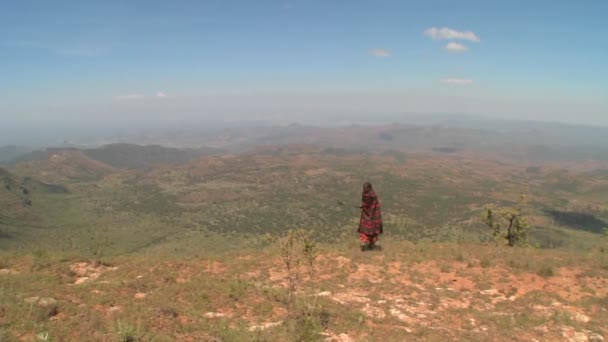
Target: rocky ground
(407,293)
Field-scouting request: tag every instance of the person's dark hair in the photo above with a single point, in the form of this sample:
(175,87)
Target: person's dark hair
(367,187)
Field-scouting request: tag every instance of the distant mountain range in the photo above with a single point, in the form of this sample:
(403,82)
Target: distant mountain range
(526,141)
(196,134)
(122,155)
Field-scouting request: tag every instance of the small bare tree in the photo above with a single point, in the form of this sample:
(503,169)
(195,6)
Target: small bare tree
(508,223)
(295,248)
(309,250)
(291,260)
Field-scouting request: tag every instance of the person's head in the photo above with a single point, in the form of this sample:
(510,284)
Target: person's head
(367,187)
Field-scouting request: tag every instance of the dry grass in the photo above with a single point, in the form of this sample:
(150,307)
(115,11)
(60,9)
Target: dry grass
(177,260)
(409,292)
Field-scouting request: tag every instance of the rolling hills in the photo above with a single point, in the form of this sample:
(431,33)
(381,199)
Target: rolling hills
(122,244)
(270,189)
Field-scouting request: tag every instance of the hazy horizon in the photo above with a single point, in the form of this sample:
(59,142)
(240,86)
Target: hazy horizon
(40,135)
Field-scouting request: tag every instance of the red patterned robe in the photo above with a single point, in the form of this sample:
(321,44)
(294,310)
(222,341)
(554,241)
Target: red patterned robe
(370,225)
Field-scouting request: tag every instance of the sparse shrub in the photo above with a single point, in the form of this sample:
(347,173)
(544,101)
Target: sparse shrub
(310,320)
(204,298)
(43,337)
(306,319)
(518,264)
(263,309)
(291,261)
(41,260)
(296,247)
(237,289)
(128,333)
(309,249)
(546,271)
(508,223)
(459,257)
(47,312)
(101,244)
(305,329)
(168,312)
(226,333)
(485,263)
(445,268)
(562,317)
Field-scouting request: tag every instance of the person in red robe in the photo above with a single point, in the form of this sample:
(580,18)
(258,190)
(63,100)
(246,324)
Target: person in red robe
(370,225)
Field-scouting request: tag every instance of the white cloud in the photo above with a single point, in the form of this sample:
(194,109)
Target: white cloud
(457,81)
(380,53)
(130,97)
(161,94)
(456,47)
(451,34)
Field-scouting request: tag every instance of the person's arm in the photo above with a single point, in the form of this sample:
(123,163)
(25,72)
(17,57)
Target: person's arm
(372,206)
(366,206)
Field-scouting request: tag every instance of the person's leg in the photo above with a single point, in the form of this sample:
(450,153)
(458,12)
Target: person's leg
(368,241)
(364,241)
(377,247)
(372,241)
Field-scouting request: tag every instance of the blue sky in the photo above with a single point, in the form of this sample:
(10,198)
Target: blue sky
(120,61)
